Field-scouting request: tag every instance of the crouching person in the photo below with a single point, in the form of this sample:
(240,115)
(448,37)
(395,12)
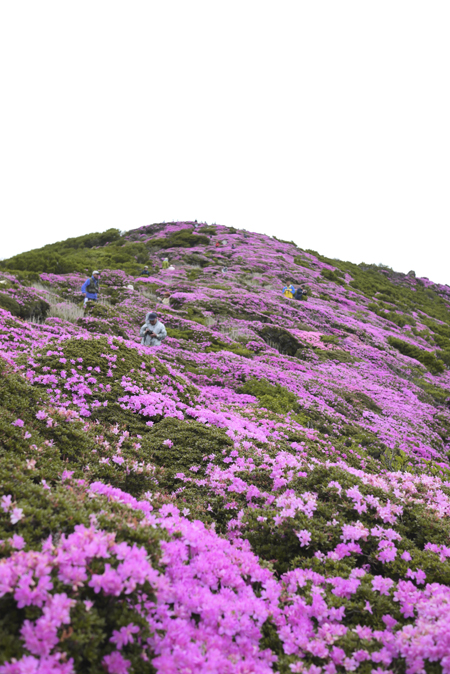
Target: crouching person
(153,332)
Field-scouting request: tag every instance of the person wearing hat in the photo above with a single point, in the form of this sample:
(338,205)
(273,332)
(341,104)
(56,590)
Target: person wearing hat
(153,331)
(145,271)
(165,264)
(90,287)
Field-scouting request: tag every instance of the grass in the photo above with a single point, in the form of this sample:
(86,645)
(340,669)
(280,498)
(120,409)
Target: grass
(67,311)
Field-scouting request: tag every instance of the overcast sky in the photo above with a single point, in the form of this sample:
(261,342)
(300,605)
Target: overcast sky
(324,122)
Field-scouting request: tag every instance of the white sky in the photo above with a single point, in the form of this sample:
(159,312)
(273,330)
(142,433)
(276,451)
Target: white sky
(325,122)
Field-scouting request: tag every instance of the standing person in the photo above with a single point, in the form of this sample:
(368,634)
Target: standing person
(153,332)
(165,264)
(145,271)
(90,287)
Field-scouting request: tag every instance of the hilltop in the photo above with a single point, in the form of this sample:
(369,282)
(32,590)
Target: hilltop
(269,490)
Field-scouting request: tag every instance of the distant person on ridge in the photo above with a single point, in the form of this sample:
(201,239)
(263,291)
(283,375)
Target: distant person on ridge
(153,332)
(165,264)
(288,291)
(145,271)
(90,288)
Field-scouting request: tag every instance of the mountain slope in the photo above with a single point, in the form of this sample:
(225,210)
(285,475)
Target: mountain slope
(277,472)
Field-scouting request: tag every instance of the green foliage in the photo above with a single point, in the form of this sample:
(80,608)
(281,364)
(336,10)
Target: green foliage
(279,544)
(425,357)
(193,274)
(192,442)
(438,394)
(36,309)
(214,343)
(128,360)
(333,276)
(208,229)
(399,319)
(281,339)
(57,512)
(276,398)
(335,354)
(329,339)
(184,238)
(70,255)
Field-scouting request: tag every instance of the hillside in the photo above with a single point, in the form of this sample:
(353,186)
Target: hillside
(269,490)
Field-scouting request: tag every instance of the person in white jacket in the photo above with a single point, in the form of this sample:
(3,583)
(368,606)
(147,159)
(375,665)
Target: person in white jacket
(153,332)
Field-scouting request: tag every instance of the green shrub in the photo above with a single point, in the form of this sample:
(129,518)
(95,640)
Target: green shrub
(215,344)
(57,512)
(333,276)
(129,362)
(33,308)
(444,356)
(209,229)
(192,441)
(280,339)
(279,543)
(184,238)
(329,339)
(425,357)
(276,398)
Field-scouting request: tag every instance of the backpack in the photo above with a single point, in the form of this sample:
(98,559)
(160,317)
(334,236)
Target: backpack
(89,284)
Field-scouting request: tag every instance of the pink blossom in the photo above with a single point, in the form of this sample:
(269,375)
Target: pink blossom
(304,537)
(6,502)
(17,542)
(124,636)
(116,664)
(16,515)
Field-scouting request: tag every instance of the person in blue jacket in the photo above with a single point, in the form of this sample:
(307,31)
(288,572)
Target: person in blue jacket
(288,291)
(90,287)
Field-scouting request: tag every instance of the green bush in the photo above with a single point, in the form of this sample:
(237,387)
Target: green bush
(129,361)
(215,345)
(192,442)
(329,339)
(107,250)
(184,238)
(333,276)
(54,513)
(425,357)
(279,543)
(36,308)
(275,398)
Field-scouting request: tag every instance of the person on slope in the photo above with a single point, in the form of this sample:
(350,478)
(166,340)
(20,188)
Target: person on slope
(299,293)
(145,271)
(288,291)
(165,264)
(90,288)
(153,332)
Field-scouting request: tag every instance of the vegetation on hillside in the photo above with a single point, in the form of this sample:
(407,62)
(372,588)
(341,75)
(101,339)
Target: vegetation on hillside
(269,490)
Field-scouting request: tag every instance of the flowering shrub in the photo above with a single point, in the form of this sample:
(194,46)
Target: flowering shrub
(205,506)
